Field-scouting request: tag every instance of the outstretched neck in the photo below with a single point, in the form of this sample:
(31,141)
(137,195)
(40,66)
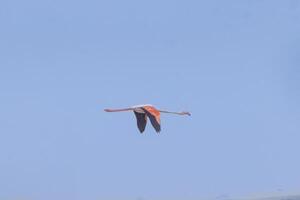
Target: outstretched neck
(176,113)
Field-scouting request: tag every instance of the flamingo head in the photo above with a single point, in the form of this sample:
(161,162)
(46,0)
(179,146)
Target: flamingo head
(186,113)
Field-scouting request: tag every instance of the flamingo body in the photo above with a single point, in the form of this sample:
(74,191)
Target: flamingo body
(143,112)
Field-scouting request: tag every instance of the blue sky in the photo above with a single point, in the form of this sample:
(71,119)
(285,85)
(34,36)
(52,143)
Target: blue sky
(233,64)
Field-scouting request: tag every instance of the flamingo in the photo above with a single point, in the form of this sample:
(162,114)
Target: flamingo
(143,111)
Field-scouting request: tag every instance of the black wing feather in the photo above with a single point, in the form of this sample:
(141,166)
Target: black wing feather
(141,121)
(153,120)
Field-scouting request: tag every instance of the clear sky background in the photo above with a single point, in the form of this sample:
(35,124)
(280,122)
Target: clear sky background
(234,64)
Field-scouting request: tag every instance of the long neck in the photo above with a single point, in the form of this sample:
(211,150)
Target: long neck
(118,110)
(169,112)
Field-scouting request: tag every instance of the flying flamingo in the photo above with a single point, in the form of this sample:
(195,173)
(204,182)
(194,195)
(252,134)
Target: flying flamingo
(143,111)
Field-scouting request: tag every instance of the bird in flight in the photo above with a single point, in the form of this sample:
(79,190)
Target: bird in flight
(142,112)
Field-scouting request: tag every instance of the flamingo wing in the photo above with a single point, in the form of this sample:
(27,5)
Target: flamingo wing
(154,116)
(141,119)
